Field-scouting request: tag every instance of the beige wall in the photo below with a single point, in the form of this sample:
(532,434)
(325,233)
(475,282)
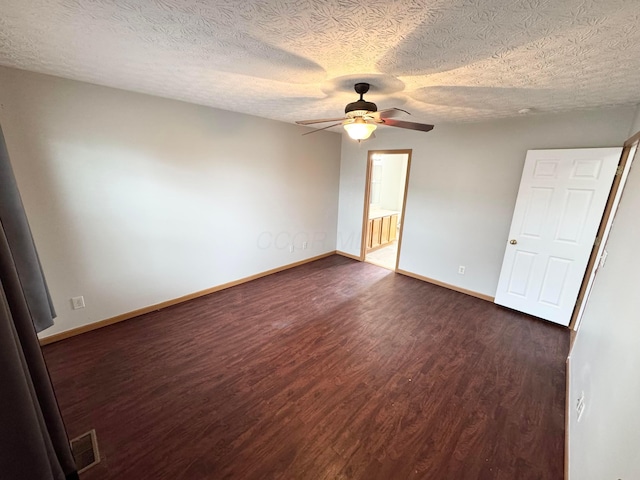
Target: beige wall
(134,200)
(635,128)
(463,185)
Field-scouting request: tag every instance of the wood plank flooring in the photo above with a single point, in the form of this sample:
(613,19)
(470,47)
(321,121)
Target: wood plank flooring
(332,370)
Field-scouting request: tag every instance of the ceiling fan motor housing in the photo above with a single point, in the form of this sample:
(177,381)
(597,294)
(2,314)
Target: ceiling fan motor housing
(361,105)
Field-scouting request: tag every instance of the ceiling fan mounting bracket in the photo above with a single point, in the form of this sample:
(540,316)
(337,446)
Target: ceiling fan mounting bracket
(361,88)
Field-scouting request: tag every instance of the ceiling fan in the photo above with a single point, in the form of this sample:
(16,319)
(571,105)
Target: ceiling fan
(362,118)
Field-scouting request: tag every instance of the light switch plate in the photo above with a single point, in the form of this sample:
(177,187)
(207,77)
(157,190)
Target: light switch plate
(77,302)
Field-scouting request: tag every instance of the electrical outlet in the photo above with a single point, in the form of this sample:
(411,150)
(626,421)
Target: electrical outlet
(304,245)
(580,406)
(77,302)
(461,269)
(291,248)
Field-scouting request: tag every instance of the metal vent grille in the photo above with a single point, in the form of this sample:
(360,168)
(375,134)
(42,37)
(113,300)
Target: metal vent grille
(85,450)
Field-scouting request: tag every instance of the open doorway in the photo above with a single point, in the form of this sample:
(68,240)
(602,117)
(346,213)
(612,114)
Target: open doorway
(385,198)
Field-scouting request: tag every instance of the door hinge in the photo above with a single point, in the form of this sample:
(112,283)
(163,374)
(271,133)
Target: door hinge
(619,170)
(597,241)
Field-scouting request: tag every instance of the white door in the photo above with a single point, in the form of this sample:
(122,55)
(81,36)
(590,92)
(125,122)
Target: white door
(558,210)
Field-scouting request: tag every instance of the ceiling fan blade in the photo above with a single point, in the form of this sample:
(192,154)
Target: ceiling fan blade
(311,122)
(323,128)
(423,127)
(391,112)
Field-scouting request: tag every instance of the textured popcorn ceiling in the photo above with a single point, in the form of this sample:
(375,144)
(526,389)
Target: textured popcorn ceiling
(443,60)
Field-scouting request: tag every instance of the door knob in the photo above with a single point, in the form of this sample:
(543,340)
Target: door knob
(513,242)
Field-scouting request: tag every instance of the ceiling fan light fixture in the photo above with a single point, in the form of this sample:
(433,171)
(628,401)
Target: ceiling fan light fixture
(359,129)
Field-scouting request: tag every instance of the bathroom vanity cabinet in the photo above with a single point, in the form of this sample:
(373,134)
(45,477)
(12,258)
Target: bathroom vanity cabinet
(383,228)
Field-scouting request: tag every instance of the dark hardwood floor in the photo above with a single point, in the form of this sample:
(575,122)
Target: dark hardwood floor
(333,370)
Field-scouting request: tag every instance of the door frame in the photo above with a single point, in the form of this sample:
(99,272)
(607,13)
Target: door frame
(603,230)
(367,198)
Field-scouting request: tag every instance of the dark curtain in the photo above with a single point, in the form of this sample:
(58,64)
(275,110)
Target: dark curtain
(33,440)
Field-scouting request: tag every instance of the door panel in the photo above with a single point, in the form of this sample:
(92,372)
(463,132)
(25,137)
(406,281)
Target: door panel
(521,273)
(375,232)
(558,210)
(576,208)
(537,212)
(554,280)
(384,235)
(393,228)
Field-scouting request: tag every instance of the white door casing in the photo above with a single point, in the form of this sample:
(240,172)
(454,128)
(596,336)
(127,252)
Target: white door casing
(560,203)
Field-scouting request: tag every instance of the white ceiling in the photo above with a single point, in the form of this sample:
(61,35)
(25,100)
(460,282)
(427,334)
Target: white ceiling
(443,60)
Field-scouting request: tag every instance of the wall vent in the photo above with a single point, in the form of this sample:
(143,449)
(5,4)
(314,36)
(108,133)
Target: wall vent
(85,450)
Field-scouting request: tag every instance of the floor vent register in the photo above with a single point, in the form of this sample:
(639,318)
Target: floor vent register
(85,450)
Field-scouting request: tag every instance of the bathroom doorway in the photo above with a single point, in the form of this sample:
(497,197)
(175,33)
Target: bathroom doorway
(385,198)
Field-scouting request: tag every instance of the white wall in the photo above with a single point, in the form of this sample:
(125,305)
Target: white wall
(394,168)
(605,359)
(134,200)
(635,128)
(463,184)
